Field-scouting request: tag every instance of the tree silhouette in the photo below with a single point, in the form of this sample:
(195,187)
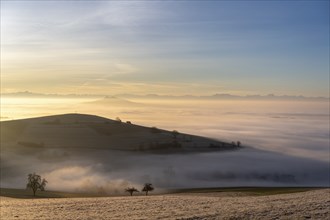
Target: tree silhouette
(147,187)
(131,190)
(155,130)
(35,183)
(175,133)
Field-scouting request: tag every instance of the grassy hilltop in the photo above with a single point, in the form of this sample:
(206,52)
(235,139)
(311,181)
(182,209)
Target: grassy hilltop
(78,131)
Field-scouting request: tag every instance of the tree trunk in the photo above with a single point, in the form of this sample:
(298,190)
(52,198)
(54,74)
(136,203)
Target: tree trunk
(131,193)
(146,193)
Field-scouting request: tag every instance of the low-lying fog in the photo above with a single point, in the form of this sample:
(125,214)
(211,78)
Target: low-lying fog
(291,141)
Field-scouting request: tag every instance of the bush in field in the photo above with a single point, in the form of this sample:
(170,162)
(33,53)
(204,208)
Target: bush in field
(176,143)
(155,130)
(35,183)
(175,134)
(147,187)
(131,190)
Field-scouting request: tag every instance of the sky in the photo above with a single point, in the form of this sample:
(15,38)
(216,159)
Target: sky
(172,47)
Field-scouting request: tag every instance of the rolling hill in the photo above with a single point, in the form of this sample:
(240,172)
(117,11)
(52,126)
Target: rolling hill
(78,131)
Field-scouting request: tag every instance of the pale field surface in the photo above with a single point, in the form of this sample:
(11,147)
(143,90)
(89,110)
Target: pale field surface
(304,205)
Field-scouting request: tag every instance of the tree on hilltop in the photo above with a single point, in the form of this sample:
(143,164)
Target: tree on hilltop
(175,134)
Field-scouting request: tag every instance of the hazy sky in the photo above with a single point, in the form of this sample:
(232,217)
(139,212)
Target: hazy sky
(185,47)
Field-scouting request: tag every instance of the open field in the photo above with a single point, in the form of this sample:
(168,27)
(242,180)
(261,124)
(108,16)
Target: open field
(313,204)
(27,194)
(237,191)
(248,191)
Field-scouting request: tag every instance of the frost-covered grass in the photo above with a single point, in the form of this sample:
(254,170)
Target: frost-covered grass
(311,204)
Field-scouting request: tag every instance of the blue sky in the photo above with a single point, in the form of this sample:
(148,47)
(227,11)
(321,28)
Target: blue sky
(185,47)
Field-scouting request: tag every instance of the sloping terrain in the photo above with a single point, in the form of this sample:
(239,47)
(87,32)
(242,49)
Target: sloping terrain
(93,132)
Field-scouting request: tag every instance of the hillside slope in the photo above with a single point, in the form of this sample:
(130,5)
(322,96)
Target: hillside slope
(93,132)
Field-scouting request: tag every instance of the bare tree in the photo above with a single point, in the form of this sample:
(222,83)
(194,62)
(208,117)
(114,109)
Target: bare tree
(175,133)
(131,190)
(147,187)
(35,183)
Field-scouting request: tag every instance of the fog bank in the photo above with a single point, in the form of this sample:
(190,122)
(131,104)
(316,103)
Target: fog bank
(290,140)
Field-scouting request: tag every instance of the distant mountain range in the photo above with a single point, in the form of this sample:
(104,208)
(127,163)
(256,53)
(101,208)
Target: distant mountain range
(156,96)
(225,97)
(50,95)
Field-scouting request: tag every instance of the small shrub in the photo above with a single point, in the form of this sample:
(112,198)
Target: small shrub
(155,130)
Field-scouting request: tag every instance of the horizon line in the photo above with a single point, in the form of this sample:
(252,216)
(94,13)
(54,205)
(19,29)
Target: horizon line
(213,95)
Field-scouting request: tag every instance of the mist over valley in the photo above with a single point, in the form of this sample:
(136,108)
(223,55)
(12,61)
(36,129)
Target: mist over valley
(283,144)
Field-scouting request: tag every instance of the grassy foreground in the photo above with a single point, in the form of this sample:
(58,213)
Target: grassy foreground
(248,191)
